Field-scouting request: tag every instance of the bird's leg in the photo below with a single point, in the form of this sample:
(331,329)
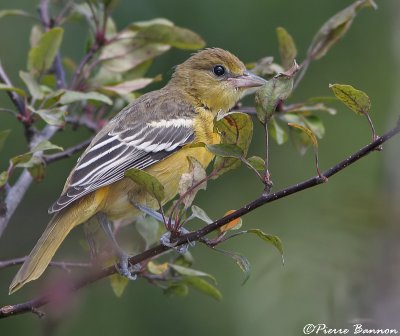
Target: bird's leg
(155,214)
(122,266)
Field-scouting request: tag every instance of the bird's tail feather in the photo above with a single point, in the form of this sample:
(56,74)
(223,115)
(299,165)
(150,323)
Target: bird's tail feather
(44,250)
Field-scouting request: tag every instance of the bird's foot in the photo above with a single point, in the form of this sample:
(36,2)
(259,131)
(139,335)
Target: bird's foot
(125,269)
(181,249)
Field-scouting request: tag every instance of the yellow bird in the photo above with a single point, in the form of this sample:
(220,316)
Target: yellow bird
(150,134)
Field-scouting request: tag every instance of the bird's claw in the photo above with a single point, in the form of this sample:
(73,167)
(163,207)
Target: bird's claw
(125,269)
(181,249)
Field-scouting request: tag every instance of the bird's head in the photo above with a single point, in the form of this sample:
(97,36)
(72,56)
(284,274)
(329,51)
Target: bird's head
(215,79)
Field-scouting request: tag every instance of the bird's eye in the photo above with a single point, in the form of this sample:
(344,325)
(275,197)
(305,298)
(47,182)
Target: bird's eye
(219,70)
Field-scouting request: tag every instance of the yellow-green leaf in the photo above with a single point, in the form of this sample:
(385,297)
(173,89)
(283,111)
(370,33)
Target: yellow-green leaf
(274,240)
(46,145)
(55,117)
(13,12)
(42,55)
(118,284)
(257,163)
(148,182)
(157,269)
(204,287)
(308,132)
(190,272)
(3,178)
(179,289)
(5,87)
(277,132)
(358,101)
(32,85)
(287,47)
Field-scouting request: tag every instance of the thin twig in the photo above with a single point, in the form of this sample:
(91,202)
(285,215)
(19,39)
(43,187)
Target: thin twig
(82,121)
(61,264)
(66,153)
(15,98)
(29,306)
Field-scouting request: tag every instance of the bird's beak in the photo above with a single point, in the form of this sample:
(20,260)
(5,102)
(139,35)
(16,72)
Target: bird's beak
(247,80)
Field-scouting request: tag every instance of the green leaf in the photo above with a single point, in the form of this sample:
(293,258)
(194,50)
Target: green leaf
(148,228)
(55,117)
(148,182)
(173,36)
(13,12)
(236,129)
(243,263)
(178,289)
(73,96)
(36,34)
(199,213)
(315,124)
(118,284)
(204,287)
(41,56)
(257,163)
(277,89)
(3,137)
(3,178)
(226,150)
(335,28)
(37,171)
(277,132)
(190,182)
(190,272)
(358,101)
(32,85)
(136,26)
(5,87)
(26,160)
(287,47)
(46,145)
(274,240)
(130,86)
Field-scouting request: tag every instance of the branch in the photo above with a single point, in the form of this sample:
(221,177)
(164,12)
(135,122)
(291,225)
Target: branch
(33,305)
(18,190)
(66,153)
(17,101)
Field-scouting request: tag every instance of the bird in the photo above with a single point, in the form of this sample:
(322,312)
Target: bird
(154,133)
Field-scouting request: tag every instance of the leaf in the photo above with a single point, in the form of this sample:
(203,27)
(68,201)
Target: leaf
(157,269)
(26,160)
(335,28)
(42,55)
(13,12)
(243,263)
(179,289)
(287,47)
(237,129)
(73,96)
(232,225)
(277,132)
(55,117)
(148,228)
(36,34)
(204,287)
(191,272)
(46,145)
(148,182)
(358,101)
(277,89)
(118,284)
(314,123)
(3,137)
(130,86)
(199,213)
(37,171)
(308,132)
(5,87)
(226,150)
(3,178)
(257,163)
(191,182)
(173,36)
(274,240)
(265,66)
(32,85)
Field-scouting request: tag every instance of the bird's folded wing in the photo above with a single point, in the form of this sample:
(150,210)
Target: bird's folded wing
(137,145)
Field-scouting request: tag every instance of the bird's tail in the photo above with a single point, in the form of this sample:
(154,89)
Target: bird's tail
(38,260)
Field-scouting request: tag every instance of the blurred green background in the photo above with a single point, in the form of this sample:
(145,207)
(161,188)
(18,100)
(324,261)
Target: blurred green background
(341,239)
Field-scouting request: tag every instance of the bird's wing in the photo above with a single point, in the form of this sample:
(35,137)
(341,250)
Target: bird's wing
(126,144)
